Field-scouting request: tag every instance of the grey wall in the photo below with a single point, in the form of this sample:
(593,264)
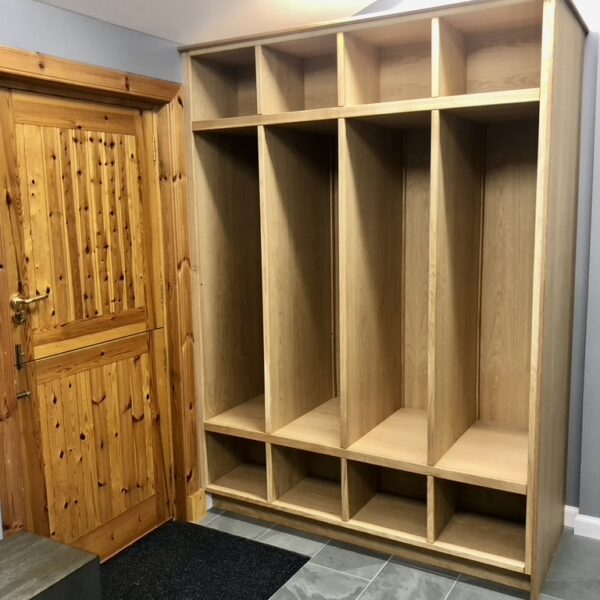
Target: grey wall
(589,499)
(580,316)
(33,26)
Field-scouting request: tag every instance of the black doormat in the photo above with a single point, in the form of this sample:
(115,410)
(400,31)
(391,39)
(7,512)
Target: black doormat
(182,561)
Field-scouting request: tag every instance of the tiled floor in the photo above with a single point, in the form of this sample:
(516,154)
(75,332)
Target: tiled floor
(340,572)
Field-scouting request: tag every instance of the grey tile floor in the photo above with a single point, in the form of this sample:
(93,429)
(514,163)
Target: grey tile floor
(338,571)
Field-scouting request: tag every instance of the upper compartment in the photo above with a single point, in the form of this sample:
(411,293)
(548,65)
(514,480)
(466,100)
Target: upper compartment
(223,84)
(386,63)
(298,75)
(488,51)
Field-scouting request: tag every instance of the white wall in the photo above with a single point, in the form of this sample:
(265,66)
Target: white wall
(33,26)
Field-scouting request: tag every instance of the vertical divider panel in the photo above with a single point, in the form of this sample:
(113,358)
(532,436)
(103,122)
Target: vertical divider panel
(441,505)
(271,497)
(288,470)
(261,86)
(455,230)
(449,59)
(358,70)
(359,485)
(262,159)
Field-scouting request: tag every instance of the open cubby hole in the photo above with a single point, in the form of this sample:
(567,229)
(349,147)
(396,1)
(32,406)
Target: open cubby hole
(307,481)
(485,217)
(384,233)
(299,75)
(223,84)
(236,465)
(387,63)
(497,58)
(300,200)
(486,521)
(388,501)
(231,307)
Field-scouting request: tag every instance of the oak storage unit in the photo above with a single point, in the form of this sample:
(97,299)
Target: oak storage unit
(385,215)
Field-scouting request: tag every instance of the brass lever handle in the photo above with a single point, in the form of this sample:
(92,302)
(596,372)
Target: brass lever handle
(18,303)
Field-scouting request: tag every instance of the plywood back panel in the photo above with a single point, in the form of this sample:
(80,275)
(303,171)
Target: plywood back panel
(507,273)
(405,72)
(417,168)
(504,60)
(230,271)
(297,206)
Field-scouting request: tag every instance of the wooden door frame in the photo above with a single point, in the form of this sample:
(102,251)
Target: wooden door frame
(163,101)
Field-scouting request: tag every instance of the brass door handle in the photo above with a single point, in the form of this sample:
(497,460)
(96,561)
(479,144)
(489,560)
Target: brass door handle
(18,303)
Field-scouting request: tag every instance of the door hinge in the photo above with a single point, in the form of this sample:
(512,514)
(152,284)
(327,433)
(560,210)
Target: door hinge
(24,396)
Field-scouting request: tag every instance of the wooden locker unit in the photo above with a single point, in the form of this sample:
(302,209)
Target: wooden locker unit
(384,263)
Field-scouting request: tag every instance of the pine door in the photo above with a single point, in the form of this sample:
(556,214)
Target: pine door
(82,237)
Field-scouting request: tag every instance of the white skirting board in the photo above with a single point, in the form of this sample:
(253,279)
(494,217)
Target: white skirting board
(210,502)
(570,513)
(584,525)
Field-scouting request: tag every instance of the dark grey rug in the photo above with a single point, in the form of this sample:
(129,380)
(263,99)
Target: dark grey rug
(182,561)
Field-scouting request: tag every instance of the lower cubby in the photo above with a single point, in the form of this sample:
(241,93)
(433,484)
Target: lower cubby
(472,521)
(387,502)
(307,483)
(236,467)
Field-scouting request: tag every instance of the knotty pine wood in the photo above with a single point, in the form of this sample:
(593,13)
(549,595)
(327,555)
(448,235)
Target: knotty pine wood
(171,158)
(11,483)
(92,332)
(28,508)
(97,432)
(43,73)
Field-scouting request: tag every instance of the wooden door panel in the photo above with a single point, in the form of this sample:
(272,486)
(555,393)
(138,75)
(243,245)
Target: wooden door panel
(98,408)
(84,237)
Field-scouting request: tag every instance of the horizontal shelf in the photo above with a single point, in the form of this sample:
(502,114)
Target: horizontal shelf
(486,105)
(394,516)
(495,541)
(401,439)
(247,481)
(316,497)
(319,427)
(489,456)
(248,416)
